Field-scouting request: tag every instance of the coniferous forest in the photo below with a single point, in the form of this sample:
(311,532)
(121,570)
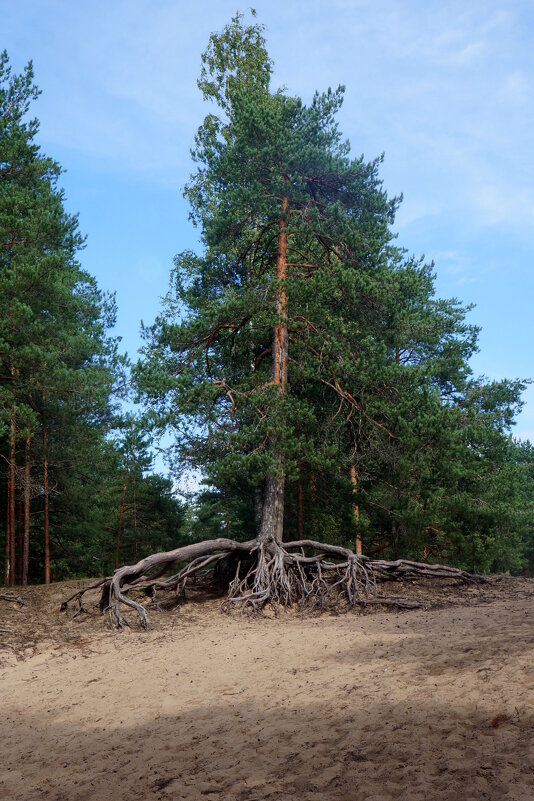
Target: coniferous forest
(301,362)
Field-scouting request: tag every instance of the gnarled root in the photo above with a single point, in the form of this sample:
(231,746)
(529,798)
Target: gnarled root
(305,573)
(283,575)
(406,569)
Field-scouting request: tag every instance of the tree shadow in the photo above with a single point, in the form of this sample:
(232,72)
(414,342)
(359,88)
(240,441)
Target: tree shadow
(246,751)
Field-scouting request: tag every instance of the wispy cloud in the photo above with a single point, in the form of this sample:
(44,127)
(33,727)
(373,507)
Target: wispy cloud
(445,89)
(442,88)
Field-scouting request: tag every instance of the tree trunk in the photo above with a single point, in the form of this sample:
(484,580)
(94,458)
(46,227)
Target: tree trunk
(272,523)
(7,552)
(11,483)
(280,349)
(134,497)
(46,509)
(26,537)
(355,508)
(19,539)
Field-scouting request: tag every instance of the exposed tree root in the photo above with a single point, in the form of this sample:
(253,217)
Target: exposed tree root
(10,596)
(305,573)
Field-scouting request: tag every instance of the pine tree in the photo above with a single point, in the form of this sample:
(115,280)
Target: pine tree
(274,343)
(294,232)
(57,363)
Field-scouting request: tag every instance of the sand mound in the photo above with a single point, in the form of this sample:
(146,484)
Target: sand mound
(420,705)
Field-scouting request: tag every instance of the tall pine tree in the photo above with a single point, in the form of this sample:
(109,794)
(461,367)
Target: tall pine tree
(290,344)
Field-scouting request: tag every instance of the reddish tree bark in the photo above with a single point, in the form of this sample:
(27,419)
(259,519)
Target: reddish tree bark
(272,523)
(18,538)
(26,535)
(46,523)
(7,552)
(11,500)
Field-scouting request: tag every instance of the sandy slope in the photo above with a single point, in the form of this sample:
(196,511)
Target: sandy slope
(381,706)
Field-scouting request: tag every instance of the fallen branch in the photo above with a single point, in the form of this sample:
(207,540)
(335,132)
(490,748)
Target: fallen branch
(78,595)
(10,596)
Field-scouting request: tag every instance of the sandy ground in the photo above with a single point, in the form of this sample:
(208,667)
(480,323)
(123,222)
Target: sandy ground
(414,706)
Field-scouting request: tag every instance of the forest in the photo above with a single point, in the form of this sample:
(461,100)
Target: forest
(301,363)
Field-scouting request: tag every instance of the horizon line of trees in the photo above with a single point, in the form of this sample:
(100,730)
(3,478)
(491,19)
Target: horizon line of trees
(301,360)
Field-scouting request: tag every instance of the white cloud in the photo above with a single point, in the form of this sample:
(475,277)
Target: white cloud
(458,267)
(442,88)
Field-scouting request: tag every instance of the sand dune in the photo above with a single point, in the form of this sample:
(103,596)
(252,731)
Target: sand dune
(415,706)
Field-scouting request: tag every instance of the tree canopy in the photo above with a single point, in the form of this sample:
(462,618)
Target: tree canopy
(302,363)
(61,374)
(302,359)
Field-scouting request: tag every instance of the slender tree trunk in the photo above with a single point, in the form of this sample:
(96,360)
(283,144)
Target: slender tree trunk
(7,552)
(280,349)
(46,509)
(272,523)
(11,471)
(26,538)
(355,508)
(19,539)
(300,512)
(134,498)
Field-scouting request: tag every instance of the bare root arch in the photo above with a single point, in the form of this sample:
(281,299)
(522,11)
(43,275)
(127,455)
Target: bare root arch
(260,572)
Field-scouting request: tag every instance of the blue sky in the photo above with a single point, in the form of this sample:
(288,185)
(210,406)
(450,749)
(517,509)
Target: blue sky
(445,89)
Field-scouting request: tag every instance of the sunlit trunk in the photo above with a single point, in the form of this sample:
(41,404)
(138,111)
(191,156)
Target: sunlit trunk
(272,523)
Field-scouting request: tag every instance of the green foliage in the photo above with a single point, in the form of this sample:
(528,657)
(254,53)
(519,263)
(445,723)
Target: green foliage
(60,371)
(379,374)
(127,513)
